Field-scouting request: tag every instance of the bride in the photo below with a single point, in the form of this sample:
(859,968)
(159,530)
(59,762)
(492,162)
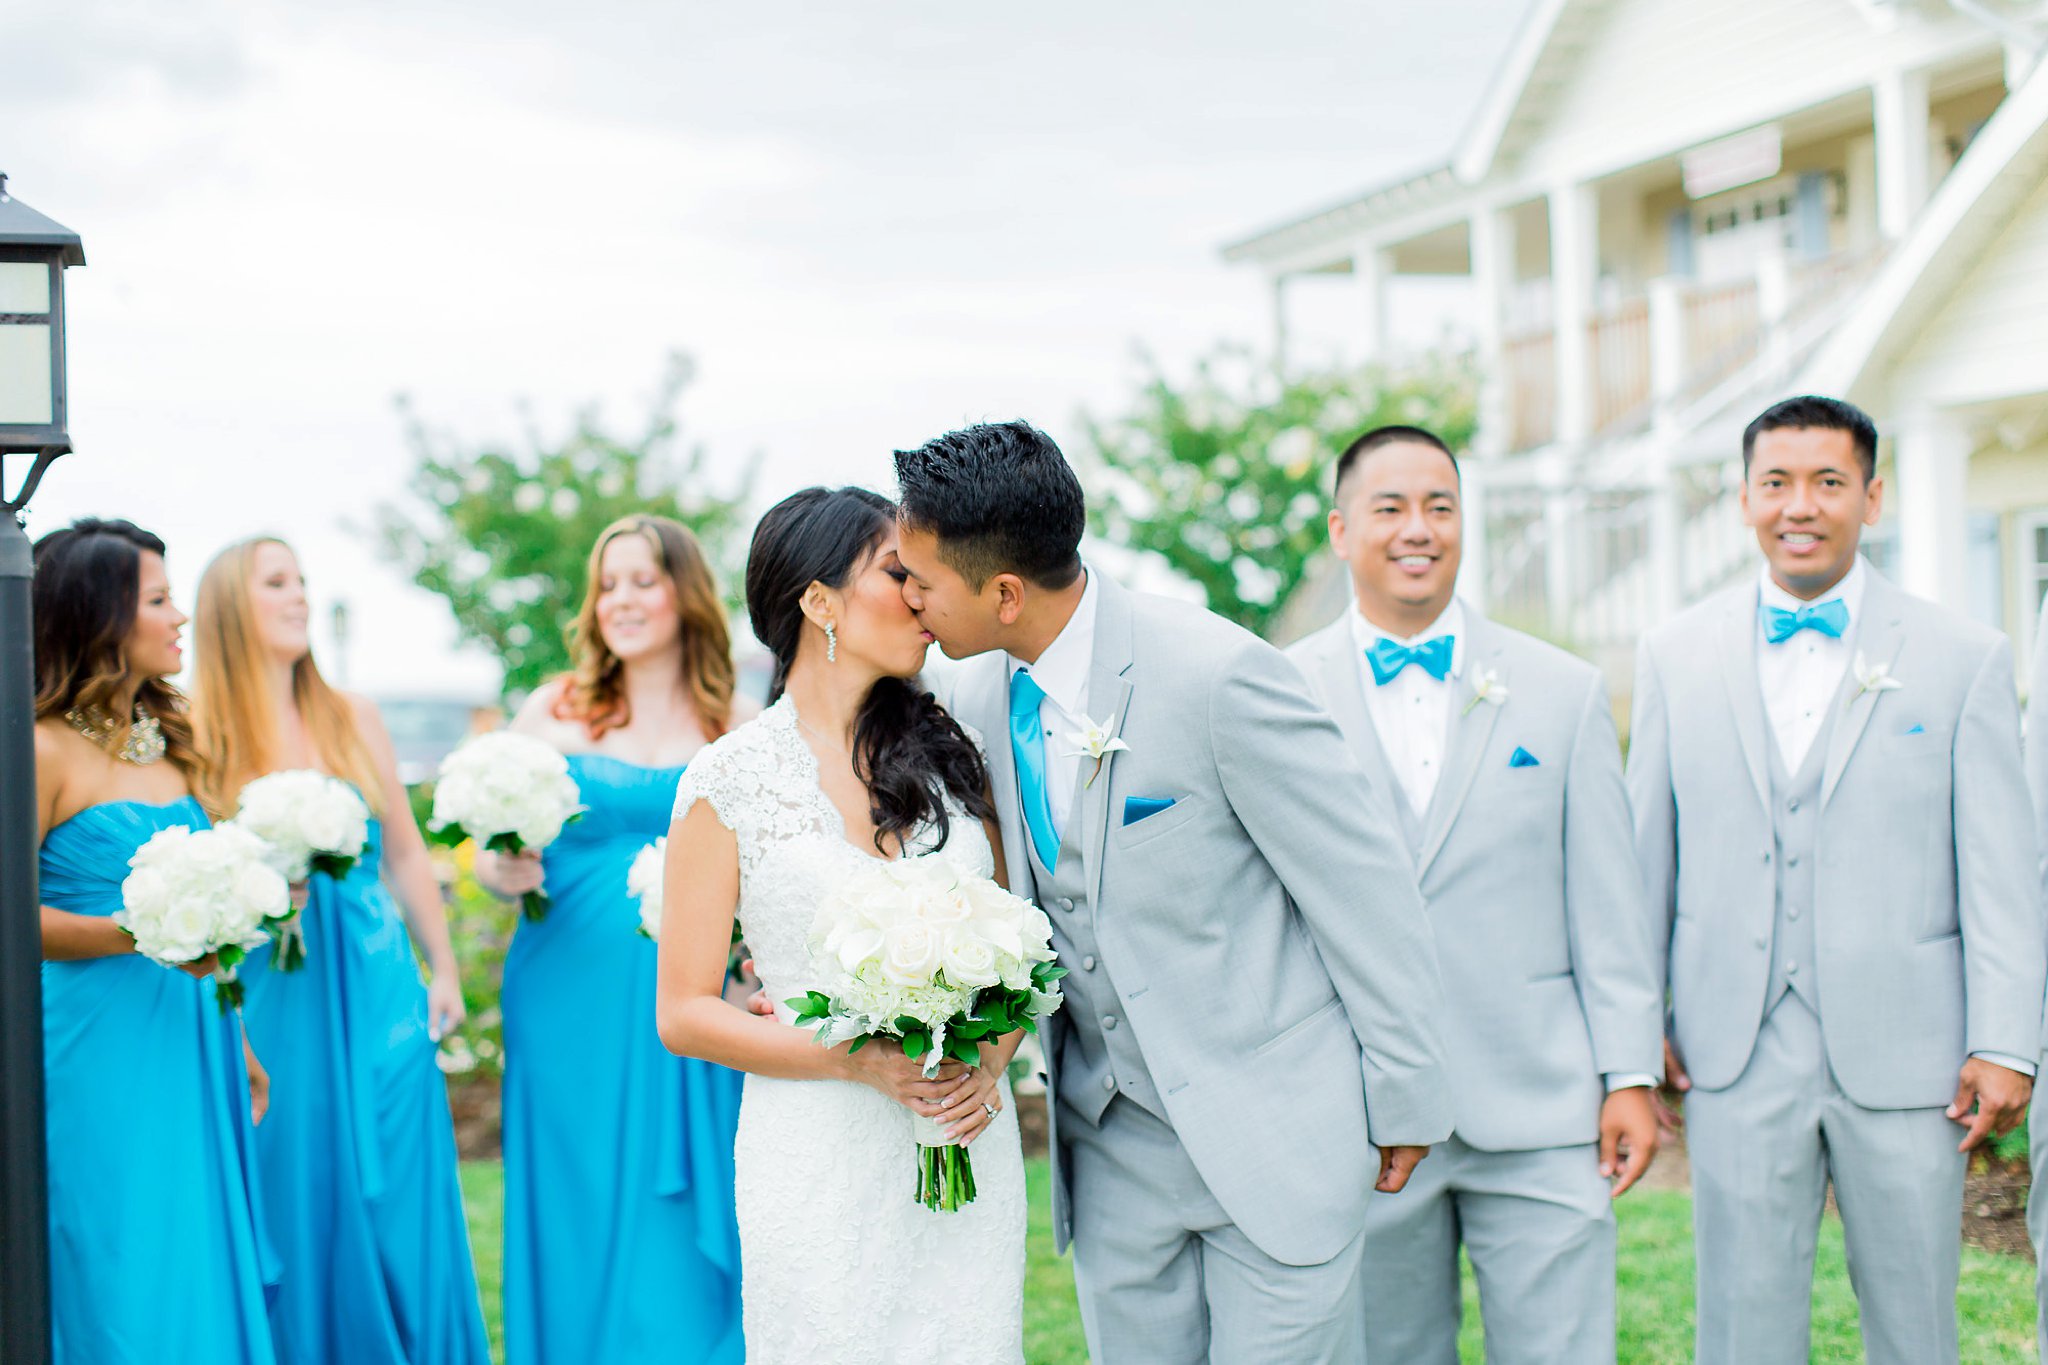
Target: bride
(852,760)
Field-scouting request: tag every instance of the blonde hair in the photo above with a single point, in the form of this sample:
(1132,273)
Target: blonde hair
(234,710)
(594,691)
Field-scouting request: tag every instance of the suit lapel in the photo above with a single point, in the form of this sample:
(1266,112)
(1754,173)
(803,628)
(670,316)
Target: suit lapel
(1344,690)
(1109,689)
(1880,637)
(1471,728)
(988,709)
(1737,647)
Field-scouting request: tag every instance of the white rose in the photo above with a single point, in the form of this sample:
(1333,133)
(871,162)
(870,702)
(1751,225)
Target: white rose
(969,961)
(910,954)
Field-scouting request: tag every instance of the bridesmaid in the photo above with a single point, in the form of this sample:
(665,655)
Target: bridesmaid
(358,1155)
(157,1255)
(620,1244)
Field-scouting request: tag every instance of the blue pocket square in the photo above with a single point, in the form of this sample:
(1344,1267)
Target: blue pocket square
(1521,758)
(1138,808)
(1917,730)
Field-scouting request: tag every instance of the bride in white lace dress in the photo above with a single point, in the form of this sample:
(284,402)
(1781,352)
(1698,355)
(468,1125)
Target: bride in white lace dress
(839,1264)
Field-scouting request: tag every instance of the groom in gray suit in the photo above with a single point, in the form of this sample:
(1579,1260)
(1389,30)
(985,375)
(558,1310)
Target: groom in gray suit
(1252,1002)
(1834,831)
(1495,755)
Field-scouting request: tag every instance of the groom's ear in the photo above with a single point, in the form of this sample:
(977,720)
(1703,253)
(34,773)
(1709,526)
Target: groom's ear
(1009,597)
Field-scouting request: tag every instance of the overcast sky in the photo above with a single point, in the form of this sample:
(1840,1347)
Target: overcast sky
(866,223)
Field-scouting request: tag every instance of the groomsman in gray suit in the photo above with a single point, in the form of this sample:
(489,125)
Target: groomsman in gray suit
(2037,1113)
(1252,1002)
(1834,830)
(1494,754)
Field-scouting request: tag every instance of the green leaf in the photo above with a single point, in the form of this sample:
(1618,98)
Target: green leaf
(915,1045)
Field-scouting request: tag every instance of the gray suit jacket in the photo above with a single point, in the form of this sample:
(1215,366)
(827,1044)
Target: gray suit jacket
(1265,930)
(1529,872)
(1927,896)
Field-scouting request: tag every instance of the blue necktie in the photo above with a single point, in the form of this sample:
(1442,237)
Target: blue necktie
(1829,618)
(1388,658)
(1027,742)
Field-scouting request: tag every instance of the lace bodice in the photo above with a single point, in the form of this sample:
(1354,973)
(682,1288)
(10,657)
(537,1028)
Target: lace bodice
(762,780)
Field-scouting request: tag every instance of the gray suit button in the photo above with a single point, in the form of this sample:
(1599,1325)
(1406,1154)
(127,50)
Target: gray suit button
(1066,903)
(1793,804)
(1108,1021)
(1088,963)
(1792,912)
(1763,943)
(1791,968)
(1792,861)
(1767,855)
(1109,1083)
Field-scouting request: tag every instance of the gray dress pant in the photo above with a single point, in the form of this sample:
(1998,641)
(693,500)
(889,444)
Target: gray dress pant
(1763,1152)
(1165,1277)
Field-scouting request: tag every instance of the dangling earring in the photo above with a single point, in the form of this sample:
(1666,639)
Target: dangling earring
(831,644)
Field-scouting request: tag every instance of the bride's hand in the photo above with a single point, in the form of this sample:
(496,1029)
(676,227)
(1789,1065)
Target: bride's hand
(972,1106)
(882,1066)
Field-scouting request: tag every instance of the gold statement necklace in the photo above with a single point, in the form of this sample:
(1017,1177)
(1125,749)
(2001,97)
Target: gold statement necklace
(144,744)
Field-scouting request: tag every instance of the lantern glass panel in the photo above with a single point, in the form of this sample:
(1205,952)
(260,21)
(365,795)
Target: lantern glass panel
(25,374)
(24,287)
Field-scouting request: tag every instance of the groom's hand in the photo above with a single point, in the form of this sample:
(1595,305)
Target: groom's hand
(1396,1165)
(1999,1095)
(1628,1136)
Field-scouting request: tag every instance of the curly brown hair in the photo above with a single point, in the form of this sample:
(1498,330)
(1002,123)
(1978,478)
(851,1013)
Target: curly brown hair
(88,585)
(594,691)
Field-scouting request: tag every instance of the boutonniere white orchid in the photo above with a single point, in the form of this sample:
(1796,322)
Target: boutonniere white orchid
(1093,740)
(1871,677)
(1486,687)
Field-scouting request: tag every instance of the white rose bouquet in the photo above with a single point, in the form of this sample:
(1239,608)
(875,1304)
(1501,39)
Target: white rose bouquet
(311,823)
(917,951)
(194,892)
(508,792)
(643,881)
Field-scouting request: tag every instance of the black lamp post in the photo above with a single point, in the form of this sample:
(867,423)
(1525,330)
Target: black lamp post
(33,417)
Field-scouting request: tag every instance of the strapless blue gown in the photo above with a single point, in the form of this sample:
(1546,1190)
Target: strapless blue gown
(620,1240)
(157,1249)
(358,1152)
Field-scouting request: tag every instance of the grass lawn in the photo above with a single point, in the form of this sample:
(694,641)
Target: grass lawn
(1995,1307)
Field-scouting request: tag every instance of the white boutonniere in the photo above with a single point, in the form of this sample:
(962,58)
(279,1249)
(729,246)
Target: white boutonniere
(1871,677)
(1093,740)
(1486,687)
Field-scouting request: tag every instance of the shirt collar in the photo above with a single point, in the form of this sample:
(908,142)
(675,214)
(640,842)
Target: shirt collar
(1452,623)
(1849,592)
(1062,670)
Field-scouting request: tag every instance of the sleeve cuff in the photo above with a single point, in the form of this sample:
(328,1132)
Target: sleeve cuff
(1628,1080)
(2008,1061)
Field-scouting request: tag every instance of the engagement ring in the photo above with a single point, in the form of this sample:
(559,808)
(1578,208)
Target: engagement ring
(992,1110)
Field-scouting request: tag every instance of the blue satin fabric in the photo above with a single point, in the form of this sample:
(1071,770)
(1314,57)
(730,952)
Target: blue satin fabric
(620,1240)
(158,1254)
(358,1152)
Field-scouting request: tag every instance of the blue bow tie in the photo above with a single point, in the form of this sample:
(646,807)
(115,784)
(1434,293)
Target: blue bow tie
(1388,658)
(1829,618)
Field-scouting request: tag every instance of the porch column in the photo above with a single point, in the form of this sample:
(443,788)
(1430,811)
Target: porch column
(1371,269)
(1280,326)
(1574,259)
(1899,112)
(1492,239)
(1474,564)
(1931,461)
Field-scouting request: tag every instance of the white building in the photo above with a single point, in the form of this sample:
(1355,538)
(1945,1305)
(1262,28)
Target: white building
(1672,213)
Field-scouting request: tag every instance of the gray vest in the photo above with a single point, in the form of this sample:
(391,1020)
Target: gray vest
(1099,1058)
(1795,818)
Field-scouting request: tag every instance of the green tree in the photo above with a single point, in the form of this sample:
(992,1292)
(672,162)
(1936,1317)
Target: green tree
(504,534)
(1227,477)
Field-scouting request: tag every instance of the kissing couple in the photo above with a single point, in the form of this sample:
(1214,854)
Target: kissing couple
(1248,1045)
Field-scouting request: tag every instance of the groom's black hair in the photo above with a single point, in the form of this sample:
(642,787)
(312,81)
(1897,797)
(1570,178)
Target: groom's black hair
(1826,414)
(1000,498)
(1355,453)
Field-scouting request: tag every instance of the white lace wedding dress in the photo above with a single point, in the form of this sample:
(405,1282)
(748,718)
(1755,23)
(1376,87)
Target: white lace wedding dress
(838,1264)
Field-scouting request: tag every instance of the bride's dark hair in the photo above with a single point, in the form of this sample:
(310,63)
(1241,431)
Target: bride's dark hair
(907,751)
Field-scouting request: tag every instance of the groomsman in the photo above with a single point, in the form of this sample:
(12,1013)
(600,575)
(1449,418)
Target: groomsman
(1494,754)
(2037,1120)
(1833,827)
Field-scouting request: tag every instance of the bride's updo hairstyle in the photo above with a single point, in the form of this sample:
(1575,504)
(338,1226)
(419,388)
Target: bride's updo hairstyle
(907,751)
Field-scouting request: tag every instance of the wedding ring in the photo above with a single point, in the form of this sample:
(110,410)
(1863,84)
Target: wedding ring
(992,1110)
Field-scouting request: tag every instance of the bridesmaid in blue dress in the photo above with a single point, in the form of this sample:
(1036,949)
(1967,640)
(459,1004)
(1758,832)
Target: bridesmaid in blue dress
(157,1253)
(358,1153)
(620,1240)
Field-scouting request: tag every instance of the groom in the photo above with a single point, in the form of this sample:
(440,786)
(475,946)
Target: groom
(1253,995)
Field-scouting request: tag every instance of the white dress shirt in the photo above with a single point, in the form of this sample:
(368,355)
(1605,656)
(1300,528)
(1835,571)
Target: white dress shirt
(1411,713)
(1800,676)
(1062,671)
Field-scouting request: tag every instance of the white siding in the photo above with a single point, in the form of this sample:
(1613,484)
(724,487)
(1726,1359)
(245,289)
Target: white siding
(1990,339)
(1656,76)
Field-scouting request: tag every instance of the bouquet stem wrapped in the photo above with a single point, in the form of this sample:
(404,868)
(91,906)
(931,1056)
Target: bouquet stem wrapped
(940,961)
